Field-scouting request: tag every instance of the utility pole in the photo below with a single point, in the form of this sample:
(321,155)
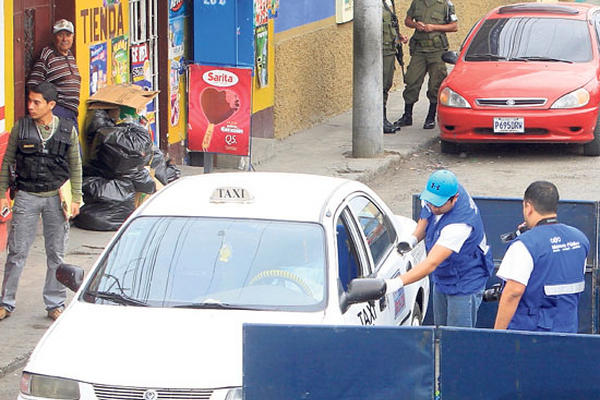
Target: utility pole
(367,97)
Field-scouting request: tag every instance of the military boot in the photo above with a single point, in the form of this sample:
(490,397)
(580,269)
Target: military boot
(430,120)
(406,118)
(388,127)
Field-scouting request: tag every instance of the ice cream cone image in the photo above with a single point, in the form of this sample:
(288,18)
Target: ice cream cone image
(217,106)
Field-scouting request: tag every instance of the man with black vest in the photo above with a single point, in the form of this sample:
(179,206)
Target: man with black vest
(45,151)
(543,268)
(458,257)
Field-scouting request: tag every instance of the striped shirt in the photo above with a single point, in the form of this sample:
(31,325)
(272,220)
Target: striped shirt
(62,72)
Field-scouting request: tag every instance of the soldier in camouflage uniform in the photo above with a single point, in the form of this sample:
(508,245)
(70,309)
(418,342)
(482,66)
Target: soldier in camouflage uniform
(430,19)
(390,40)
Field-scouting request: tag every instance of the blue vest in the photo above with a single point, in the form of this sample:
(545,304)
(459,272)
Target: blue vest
(467,271)
(556,282)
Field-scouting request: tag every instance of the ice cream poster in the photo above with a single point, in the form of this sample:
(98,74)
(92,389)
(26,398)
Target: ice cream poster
(220,109)
(120,60)
(98,78)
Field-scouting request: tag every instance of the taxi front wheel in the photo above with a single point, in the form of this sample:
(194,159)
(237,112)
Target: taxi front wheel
(417,316)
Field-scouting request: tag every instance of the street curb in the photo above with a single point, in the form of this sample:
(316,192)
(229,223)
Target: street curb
(15,364)
(392,160)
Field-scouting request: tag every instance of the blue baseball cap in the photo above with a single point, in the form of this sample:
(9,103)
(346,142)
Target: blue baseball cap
(441,185)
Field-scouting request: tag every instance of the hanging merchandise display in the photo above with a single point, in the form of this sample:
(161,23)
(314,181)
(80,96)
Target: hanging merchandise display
(261,53)
(273,8)
(98,76)
(344,11)
(178,34)
(261,12)
(120,60)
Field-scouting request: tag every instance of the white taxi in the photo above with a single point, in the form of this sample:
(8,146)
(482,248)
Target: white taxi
(160,314)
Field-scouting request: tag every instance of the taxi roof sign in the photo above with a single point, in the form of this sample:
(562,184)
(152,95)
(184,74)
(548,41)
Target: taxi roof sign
(230,194)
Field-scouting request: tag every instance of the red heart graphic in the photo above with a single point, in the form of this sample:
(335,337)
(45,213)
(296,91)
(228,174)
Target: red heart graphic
(219,105)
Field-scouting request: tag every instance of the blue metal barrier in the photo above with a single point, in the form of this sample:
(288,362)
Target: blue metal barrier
(488,364)
(502,215)
(342,362)
(366,363)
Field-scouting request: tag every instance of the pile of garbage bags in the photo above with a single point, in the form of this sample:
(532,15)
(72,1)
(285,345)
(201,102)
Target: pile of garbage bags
(122,163)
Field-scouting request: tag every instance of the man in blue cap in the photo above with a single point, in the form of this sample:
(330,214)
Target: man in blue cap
(458,257)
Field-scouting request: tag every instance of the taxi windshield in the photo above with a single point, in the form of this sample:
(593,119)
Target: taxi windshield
(531,39)
(219,263)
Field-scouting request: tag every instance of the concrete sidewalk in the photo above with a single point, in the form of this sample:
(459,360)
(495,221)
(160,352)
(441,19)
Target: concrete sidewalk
(325,149)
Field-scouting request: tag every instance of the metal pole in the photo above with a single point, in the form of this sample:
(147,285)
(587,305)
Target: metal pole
(208,163)
(367,98)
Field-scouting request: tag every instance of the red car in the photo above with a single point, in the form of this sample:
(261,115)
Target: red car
(526,72)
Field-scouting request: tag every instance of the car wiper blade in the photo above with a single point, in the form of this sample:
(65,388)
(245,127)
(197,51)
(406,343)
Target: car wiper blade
(116,298)
(539,58)
(213,306)
(484,56)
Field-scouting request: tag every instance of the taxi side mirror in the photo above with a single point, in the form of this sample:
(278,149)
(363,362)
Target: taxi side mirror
(70,275)
(361,290)
(450,57)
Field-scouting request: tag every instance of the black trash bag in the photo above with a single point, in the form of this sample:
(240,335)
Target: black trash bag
(91,168)
(99,189)
(142,181)
(173,172)
(98,119)
(104,215)
(159,165)
(122,148)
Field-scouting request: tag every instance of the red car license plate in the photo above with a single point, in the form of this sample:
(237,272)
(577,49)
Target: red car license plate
(509,125)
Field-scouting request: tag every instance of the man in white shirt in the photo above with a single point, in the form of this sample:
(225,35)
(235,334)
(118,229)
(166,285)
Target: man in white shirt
(543,269)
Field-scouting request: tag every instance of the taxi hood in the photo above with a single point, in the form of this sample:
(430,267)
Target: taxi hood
(151,347)
(549,80)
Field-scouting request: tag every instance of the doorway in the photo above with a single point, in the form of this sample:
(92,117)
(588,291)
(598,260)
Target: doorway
(32,20)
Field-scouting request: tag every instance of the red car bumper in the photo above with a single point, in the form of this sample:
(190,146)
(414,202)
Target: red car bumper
(541,126)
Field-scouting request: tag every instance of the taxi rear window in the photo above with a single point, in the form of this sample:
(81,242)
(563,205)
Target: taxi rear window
(214,263)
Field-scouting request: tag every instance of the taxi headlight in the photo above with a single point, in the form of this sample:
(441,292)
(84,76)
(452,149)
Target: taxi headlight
(234,394)
(450,98)
(577,98)
(49,387)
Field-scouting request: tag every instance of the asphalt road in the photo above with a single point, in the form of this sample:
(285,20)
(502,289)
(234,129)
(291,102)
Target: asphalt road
(494,170)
